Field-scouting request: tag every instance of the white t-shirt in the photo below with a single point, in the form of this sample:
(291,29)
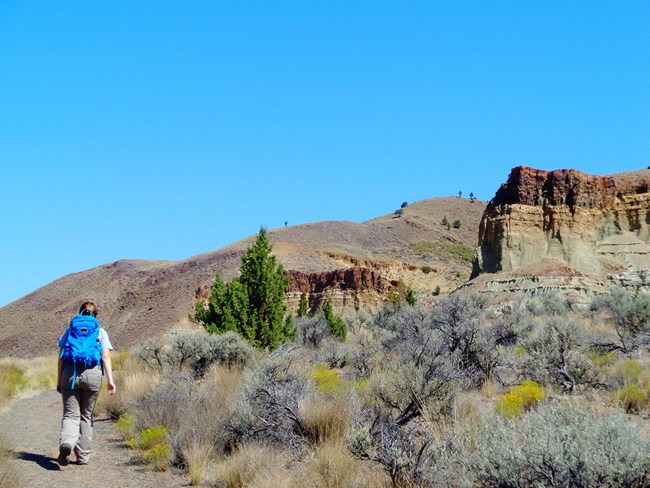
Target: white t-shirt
(102,339)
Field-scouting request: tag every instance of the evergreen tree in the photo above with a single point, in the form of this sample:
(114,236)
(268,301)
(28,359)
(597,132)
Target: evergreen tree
(336,324)
(303,306)
(410,296)
(252,304)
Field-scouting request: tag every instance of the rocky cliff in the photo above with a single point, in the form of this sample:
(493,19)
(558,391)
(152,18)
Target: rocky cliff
(598,225)
(349,288)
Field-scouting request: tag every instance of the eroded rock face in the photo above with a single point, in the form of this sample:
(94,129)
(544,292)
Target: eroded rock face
(598,225)
(349,288)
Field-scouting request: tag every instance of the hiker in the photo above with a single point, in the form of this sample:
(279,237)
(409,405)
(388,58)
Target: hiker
(84,352)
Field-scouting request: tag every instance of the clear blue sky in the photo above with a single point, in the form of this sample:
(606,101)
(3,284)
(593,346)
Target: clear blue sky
(163,129)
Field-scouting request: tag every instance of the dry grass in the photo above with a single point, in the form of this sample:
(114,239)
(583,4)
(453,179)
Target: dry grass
(22,376)
(9,474)
(132,383)
(326,417)
(198,455)
(249,465)
(332,466)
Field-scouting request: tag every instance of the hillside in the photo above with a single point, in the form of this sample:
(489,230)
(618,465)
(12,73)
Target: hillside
(140,299)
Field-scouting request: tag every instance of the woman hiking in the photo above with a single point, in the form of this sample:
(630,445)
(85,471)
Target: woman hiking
(84,351)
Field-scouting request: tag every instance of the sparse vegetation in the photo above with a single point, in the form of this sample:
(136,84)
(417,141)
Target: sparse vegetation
(10,476)
(19,375)
(457,394)
(444,250)
(456,224)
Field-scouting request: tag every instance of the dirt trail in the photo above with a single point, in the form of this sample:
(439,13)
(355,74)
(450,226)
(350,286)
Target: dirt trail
(32,426)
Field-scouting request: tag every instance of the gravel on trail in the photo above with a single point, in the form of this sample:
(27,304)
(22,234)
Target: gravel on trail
(32,427)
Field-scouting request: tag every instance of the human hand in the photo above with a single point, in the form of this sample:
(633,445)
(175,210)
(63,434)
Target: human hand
(111,388)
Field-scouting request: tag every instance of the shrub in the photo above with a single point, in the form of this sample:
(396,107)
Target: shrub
(563,445)
(519,399)
(402,452)
(313,330)
(458,320)
(194,350)
(204,417)
(267,408)
(134,385)
(159,456)
(631,398)
(456,224)
(327,380)
(148,438)
(629,314)
(556,354)
(126,425)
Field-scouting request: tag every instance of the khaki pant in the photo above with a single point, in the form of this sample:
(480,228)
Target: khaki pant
(78,405)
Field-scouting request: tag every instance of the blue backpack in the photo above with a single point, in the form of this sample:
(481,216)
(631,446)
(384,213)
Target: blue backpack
(82,346)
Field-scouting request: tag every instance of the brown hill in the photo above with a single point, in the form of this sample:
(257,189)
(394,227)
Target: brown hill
(141,299)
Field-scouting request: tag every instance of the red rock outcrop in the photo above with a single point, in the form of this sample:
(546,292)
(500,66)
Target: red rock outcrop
(598,225)
(347,288)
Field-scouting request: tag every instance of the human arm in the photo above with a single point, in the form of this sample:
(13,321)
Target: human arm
(108,370)
(59,371)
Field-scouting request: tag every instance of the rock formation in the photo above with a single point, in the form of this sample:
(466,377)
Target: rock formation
(349,288)
(598,225)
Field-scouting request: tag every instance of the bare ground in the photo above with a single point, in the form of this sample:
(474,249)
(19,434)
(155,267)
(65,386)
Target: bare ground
(32,428)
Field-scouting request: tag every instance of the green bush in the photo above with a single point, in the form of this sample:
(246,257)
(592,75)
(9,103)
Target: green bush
(327,380)
(126,425)
(149,438)
(159,456)
(11,382)
(252,304)
(631,398)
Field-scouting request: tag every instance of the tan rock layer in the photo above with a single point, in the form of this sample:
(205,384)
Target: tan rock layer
(596,224)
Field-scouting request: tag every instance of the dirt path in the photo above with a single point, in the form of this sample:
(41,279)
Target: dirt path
(32,426)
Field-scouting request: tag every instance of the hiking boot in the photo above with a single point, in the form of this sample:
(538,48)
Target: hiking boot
(64,452)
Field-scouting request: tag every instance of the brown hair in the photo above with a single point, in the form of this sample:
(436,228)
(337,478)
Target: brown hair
(88,308)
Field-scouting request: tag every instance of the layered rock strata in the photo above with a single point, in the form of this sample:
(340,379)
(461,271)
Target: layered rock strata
(348,289)
(598,225)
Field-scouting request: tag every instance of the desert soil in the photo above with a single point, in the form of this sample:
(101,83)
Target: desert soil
(32,427)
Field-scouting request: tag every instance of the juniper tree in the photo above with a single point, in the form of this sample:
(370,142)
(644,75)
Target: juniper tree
(303,306)
(336,323)
(252,304)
